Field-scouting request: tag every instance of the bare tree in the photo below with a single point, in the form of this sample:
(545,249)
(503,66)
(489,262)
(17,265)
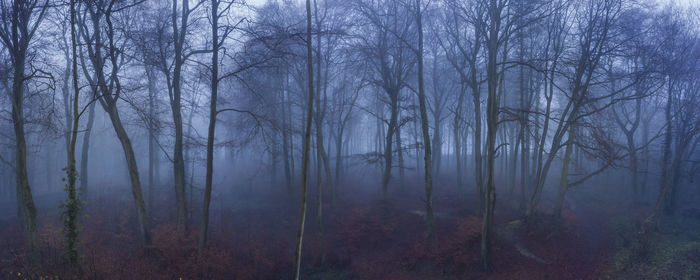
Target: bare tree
(387,49)
(72,205)
(106,55)
(463,45)
(307,144)
(175,93)
(428,161)
(20,21)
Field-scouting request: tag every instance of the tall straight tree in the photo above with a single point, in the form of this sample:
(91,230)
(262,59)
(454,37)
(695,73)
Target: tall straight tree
(427,156)
(20,21)
(85,149)
(219,11)
(493,41)
(71,207)
(212,123)
(216,45)
(175,93)
(307,143)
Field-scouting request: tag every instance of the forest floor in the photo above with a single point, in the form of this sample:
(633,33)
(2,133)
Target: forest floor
(252,237)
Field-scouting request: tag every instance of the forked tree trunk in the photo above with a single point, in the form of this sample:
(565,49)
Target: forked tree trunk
(108,99)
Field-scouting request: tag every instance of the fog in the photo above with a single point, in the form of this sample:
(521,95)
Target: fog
(360,139)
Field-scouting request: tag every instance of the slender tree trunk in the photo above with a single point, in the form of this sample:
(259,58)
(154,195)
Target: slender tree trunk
(671,204)
(426,133)
(84,156)
(492,126)
(634,169)
(524,162)
(513,170)
(478,162)
(646,157)
(150,75)
(338,156)
(437,145)
(176,105)
(71,207)
(541,168)
(68,114)
(564,181)
(415,139)
(25,201)
(212,125)
(291,129)
(285,136)
(133,171)
(456,130)
(307,142)
(108,99)
(320,151)
(187,157)
(399,150)
(388,150)
(666,170)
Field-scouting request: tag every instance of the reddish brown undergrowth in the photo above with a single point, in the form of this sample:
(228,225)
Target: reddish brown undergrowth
(254,239)
(110,248)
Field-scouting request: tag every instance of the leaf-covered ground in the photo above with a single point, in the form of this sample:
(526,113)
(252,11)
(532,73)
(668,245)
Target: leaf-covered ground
(253,238)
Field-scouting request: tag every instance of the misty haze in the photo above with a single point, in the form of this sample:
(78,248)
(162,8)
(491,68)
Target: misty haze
(349,139)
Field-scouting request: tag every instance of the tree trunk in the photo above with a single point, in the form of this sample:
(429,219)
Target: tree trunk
(25,201)
(437,144)
(388,150)
(564,181)
(399,149)
(108,99)
(85,152)
(212,125)
(65,92)
(634,163)
(456,130)
(426,133)
(320,151)
(176,106)
(307,142)
(285,136)
(668,137)
(133,171)
(71,207)
(150,75)
(478,162)
(338,156)
(492,125)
